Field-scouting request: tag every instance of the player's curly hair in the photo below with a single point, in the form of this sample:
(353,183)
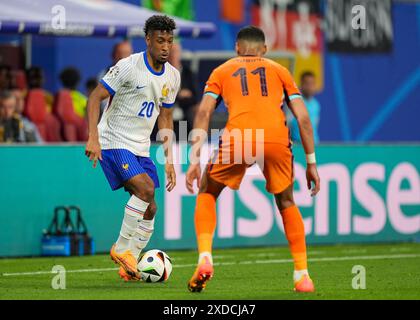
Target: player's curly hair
(159,22)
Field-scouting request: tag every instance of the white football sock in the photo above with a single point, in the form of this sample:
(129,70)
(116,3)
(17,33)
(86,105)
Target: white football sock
(133,214)
(141,237)
(205,254)
(297,274)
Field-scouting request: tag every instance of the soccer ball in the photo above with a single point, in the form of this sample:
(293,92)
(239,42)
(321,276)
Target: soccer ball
(155,266)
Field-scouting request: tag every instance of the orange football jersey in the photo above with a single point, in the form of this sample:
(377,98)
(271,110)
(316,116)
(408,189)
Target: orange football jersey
(253,89)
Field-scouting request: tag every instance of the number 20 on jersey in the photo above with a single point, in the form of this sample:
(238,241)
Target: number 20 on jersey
(146,110)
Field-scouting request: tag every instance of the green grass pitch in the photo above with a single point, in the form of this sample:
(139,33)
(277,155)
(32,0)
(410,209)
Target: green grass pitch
(392,272)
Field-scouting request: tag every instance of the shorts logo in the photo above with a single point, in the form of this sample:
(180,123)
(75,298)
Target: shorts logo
(125,166)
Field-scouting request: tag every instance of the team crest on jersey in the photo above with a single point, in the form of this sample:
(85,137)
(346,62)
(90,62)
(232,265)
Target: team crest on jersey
(113,71)
(165,91)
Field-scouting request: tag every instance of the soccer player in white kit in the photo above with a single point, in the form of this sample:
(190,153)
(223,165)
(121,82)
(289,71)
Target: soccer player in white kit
(141,89)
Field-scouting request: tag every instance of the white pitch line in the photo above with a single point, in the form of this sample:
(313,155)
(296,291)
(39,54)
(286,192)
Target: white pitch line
(348,258)
(51,272)
(275,254)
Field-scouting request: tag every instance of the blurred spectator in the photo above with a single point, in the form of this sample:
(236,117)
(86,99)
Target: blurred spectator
(70,78)
(308,90)
(35,79)
(31,133)
(120,51)
(186,101)
(20,99)
(90,85)
(11,126)
(5,77)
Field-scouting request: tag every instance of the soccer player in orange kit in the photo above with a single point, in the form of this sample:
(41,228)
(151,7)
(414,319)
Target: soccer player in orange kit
(253,89)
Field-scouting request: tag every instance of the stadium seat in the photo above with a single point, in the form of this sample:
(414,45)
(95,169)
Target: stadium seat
(36,110)
(42,129)
(35,107)
(74,127)
(54,128)
(48,125)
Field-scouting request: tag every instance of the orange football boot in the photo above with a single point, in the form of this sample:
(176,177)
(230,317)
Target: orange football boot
(203,273)
(305,284)
(125,276)
(127,261)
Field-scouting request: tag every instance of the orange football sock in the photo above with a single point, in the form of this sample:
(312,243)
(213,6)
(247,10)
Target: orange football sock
(205,221)
(295,234)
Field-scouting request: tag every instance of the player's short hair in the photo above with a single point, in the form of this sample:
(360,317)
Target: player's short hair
(70,78)
(251,33)
(35,77)
(305,74)
(159,22)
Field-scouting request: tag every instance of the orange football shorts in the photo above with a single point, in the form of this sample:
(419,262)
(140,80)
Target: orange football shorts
(230,162)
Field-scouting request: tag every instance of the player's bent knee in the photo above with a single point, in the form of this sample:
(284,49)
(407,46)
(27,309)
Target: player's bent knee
(285,199)
(146,192)
(208,185)
(286,203)
(149,191)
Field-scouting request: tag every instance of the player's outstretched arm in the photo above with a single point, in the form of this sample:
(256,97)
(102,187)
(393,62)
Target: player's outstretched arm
(199,136)
(166,135)
(299,110)
(93,148)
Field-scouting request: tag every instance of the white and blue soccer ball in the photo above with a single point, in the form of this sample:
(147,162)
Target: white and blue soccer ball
(155,266)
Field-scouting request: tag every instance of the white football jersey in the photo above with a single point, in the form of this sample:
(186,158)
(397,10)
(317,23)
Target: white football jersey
(137,94)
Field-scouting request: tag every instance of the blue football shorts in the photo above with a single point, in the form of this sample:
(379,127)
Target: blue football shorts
(120,165)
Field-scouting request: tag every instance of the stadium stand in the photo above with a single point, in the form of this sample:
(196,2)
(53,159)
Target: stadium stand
(36,110)
(74,127)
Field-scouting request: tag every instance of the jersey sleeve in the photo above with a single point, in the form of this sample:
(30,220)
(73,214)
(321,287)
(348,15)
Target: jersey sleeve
(290,89)
(213,86)
(172,92)
(117,75)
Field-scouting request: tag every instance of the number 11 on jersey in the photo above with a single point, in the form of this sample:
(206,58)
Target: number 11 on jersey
(244,81)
